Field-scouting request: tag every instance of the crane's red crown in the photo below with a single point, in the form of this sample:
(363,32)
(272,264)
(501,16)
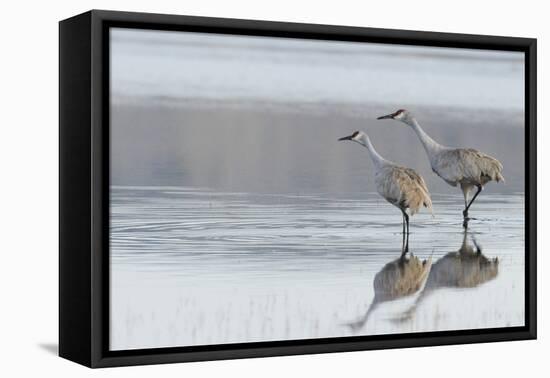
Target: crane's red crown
(399,112)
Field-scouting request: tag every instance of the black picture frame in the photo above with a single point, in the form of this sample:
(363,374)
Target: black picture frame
(84,188)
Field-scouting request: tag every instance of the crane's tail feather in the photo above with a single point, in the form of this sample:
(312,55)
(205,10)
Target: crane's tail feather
(489,167)
(414,190)
(421,199)
(430,208)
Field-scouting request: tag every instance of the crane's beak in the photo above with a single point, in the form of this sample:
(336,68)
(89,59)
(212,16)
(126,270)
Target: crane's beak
(388,116)
(349,137)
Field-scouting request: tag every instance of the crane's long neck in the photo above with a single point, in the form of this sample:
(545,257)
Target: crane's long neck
(430,145)
(377,159)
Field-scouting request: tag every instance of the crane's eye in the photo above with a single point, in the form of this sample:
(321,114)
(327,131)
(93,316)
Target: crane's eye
(354,134)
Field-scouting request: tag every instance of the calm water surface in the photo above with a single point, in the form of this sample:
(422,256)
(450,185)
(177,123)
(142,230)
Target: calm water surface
(192,266)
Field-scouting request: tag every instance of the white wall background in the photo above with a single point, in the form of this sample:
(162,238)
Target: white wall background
(28,212)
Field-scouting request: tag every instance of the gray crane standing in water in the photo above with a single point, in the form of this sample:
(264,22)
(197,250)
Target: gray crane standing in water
(465,166)
(402,187)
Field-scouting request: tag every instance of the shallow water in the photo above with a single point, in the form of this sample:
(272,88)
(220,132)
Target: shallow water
(192,266)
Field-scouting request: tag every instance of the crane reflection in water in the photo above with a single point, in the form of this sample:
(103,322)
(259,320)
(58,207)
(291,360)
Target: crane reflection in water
(397,279)
(465,268)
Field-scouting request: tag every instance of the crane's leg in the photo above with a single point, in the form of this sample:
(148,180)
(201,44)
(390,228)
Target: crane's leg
(407,236)
(466,192)
(404,247)
(403,251)
(465,212)
(406,233)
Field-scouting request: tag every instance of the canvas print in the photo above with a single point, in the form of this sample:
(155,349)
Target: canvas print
(272,189)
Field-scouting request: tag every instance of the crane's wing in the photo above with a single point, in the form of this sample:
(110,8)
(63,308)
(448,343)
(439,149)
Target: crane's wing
(404,186)
(418,193)
(468,164)
(481,166)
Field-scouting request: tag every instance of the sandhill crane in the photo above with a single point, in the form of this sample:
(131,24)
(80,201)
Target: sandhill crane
(402,187)
(465,166)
